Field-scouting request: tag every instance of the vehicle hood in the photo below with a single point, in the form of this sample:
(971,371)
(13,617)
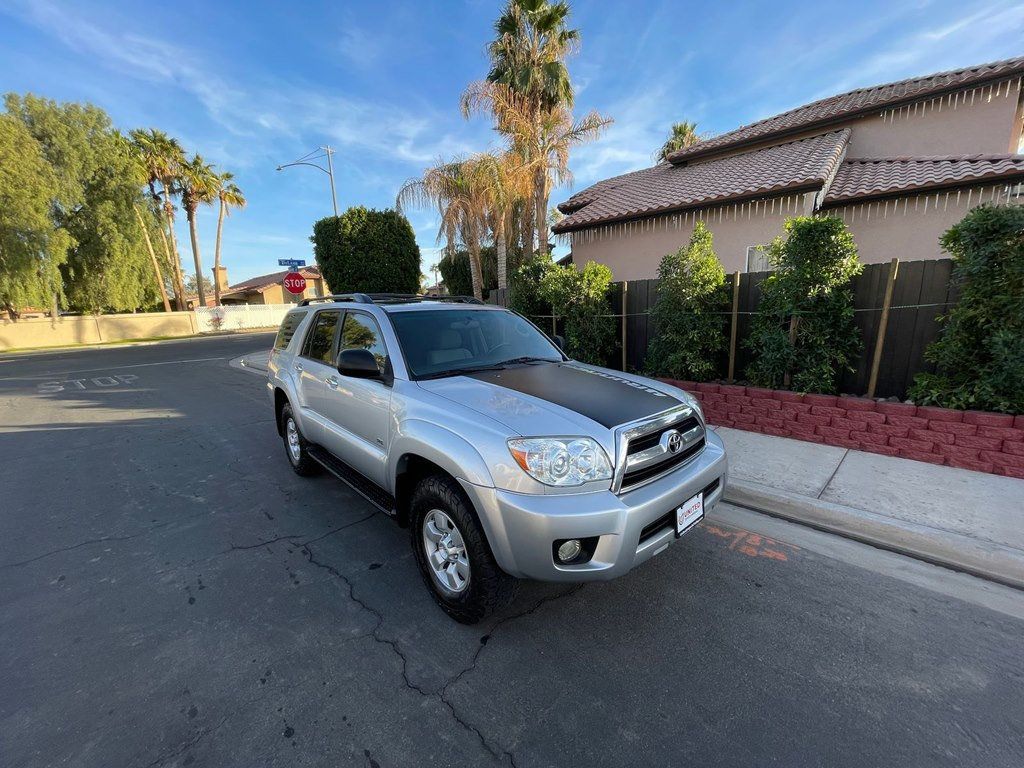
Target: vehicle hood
(557,398)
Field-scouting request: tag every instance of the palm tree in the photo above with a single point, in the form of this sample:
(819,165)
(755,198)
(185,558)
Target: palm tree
(530,95)
(199,185)
(503,181)
(529,52)
(162,157)
(683,135)
(453,186)
(543,140)
(230,196)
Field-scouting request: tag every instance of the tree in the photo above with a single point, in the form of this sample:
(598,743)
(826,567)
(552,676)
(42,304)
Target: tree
(31,247)
(581,297)
(230,196)
(804,334)
(542,140)
(502,181)
(688,313)
(979,354)
(367,251)
(162,158)
(530,95)
(528,54)
(193,286)
(199,185)
(455,187)
(683,135)
(107,266)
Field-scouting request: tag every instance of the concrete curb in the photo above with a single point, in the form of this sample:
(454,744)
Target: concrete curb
(242,363)
(986,560)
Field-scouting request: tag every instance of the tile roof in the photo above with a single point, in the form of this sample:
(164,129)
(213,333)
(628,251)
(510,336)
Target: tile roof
(803,164)
(265,281)
(844,106)
(878,177)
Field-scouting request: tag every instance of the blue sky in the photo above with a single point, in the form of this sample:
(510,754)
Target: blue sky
(255,84)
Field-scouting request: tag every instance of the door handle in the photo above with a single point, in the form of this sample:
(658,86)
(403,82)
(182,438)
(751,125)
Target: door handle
(298,367)
(332,382)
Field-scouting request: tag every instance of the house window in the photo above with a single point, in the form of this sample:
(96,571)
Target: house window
(757,259)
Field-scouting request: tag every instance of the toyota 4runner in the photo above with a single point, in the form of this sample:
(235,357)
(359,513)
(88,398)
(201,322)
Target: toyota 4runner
(504,457)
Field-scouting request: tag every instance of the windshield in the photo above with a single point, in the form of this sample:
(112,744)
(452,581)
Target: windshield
(447,341)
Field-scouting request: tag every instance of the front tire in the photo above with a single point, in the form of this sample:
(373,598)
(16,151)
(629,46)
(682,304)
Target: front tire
(452,552)
(296,448)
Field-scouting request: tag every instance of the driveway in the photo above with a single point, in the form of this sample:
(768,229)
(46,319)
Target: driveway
(171,594)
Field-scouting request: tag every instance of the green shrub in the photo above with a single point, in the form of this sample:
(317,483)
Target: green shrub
(804,334)
(980,351)
(454,269)
(367,251)
(581,297)
(688,314)
(525,291)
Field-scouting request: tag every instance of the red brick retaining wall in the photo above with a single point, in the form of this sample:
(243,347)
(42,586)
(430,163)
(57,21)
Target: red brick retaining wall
(985,442)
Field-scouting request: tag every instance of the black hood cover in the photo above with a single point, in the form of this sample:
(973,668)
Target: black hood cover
(604,397)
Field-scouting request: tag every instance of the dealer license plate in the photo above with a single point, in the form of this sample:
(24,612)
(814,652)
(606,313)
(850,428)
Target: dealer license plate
(689,514)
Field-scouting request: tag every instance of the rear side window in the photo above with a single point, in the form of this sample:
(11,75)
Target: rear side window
(289,325)
(320,340)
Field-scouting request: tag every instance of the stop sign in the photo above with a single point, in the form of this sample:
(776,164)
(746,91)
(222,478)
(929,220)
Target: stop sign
(294,283)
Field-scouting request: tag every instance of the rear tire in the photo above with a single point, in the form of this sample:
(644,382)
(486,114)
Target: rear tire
(296,448)
(452,552)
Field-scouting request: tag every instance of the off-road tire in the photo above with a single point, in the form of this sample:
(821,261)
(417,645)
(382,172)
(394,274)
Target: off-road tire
(305,465)
(489,587)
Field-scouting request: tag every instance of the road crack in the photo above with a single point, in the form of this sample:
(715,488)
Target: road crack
(440,694)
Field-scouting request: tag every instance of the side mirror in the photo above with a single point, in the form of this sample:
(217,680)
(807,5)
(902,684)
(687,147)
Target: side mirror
(559,342)
(358,363)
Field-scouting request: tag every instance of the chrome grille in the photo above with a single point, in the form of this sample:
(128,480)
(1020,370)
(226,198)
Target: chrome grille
(657,446)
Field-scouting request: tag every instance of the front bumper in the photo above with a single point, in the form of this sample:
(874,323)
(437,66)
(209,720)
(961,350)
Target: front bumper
(522,527)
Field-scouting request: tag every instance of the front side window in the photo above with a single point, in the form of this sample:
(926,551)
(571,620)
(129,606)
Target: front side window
(320,340)
(446,341)
(362,332)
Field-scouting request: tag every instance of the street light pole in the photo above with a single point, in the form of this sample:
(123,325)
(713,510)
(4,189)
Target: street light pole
(330,173)
(329,170)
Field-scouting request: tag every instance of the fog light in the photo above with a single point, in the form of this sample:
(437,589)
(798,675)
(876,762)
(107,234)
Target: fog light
(569,550)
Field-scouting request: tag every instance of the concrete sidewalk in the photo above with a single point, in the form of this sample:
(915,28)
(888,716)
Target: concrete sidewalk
(968,521)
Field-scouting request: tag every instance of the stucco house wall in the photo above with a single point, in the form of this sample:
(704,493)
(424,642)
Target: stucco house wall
(984,121)
(909,228)
(633,250)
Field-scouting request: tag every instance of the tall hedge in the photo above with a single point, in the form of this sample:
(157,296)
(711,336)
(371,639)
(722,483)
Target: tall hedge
(689,314)
(804,334)
(980,352)
(581,297)
(367,251)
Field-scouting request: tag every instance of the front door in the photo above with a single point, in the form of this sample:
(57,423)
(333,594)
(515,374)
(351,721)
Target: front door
(357,425)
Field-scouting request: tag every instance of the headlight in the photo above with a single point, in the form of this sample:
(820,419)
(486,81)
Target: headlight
(694,403)
(561,460)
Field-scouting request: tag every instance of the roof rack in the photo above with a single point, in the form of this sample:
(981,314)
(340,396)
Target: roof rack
(389,298)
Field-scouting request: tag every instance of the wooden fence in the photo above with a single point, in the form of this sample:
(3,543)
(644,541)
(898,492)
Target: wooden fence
(920,293)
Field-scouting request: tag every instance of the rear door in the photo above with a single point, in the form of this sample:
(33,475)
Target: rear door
(357,411)
(313,367)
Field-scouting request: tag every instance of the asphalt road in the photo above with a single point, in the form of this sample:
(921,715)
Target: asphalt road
(171,594)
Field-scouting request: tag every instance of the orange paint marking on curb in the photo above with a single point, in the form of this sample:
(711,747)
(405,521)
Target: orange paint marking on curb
(753,544)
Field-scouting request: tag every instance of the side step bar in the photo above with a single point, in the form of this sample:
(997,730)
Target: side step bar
(355,480)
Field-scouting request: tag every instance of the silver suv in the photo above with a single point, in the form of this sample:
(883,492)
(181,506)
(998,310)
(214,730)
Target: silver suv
(504,457)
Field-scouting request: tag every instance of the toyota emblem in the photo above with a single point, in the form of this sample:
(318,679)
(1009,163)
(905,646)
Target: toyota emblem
(675,441)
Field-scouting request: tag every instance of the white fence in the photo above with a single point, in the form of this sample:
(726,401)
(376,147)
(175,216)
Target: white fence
(240,316)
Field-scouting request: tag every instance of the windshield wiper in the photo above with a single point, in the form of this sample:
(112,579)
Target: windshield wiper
(490,367)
